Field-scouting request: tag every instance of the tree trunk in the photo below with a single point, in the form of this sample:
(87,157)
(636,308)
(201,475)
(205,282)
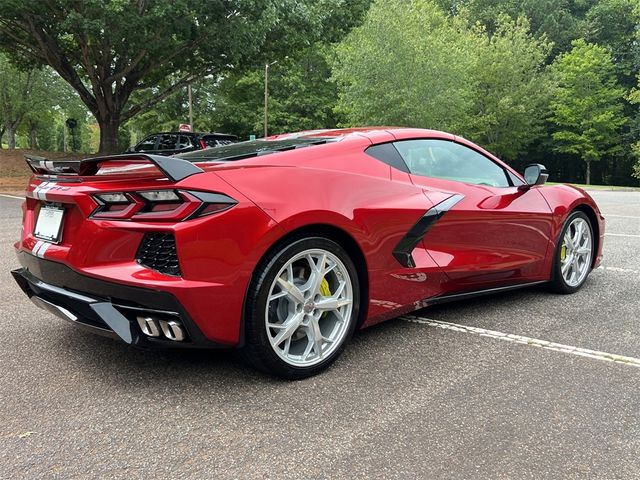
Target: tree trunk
(109,135)
(588,182)
(33,144)
(11,138)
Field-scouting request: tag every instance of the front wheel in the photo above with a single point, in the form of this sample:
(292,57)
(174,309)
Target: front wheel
(574,254)
(302,307)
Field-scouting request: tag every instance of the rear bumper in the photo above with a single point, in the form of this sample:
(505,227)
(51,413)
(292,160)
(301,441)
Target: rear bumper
(105,308)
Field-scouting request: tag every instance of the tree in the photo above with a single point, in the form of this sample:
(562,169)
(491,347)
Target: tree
(51,101)
(634,99)
(559,20)
(301,95)
(445,74)
(108,50)
(399,68)
(16,89)
(512,89)
(174,110)
(613,24)
(587,105)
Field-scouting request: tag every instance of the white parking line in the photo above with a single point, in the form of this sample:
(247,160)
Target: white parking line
(621,235)
(621,216)
(617,269)
(11,196)
(534,342)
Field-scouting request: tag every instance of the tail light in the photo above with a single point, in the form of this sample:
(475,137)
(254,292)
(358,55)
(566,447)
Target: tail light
(159,205)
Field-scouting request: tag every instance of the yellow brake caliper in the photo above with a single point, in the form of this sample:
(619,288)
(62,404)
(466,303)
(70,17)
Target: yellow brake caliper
(563,252)
(324,288)
(325,291)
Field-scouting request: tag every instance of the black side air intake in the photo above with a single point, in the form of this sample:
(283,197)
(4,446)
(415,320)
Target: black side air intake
(158,252)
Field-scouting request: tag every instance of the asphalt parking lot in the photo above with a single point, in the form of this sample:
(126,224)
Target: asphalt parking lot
(406,400)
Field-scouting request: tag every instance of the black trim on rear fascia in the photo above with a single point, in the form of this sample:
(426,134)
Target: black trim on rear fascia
(402,251)
(59,275)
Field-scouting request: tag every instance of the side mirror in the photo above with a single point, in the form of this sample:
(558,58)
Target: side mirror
(534,174)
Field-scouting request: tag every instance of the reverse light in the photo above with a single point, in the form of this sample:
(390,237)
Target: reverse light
(113,198)
(160,196)
(159,205)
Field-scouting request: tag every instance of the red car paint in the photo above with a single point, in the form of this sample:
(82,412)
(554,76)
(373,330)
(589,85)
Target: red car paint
(493,237)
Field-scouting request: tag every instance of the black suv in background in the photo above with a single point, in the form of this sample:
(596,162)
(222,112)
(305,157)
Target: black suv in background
(169,143)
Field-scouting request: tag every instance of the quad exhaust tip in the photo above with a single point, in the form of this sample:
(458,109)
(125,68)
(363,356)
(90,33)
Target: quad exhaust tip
(154,327)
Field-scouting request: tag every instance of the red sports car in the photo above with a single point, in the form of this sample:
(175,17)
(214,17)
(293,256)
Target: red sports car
(284,246)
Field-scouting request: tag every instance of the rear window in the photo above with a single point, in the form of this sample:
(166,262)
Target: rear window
(211,141)
(252,148)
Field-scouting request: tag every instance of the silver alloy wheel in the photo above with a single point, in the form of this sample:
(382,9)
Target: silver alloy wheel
(309,307)
(576,252)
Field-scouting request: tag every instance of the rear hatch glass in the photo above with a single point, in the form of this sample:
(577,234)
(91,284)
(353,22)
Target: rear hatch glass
(252,148)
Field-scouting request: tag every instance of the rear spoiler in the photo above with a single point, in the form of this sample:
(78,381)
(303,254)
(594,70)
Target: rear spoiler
(174,168)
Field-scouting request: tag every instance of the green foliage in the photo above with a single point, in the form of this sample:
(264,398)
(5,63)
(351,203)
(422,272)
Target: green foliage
(587,104)
(407,64)
(493,89)
(634,99)
(168,114)
(107,50)
(16,88)
(636,152)
(613,24)
(478,68)
(512,89)
(558,20)
(51,103)
(300,97)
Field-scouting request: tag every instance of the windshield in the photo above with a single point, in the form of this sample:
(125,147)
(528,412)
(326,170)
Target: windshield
(251,148)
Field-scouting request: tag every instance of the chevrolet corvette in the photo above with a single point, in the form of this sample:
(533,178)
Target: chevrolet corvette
(283,247)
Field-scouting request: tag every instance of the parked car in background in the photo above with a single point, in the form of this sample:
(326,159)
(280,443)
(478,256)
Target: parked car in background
(169,143)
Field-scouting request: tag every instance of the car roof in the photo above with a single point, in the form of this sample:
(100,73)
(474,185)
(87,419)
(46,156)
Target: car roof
(373,133)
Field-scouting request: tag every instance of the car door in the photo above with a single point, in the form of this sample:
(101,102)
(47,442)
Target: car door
(492,233)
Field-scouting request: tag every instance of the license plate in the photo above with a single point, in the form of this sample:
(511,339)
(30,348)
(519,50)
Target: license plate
(49,224)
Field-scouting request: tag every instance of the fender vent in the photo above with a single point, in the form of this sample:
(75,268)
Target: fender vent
(158,252)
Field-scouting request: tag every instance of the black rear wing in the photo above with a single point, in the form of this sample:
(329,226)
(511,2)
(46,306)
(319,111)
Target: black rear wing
(174,168)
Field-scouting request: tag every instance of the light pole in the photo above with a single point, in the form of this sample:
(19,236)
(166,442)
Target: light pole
(266,95)
(190,108)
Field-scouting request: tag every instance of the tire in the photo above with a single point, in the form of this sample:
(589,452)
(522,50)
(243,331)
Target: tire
(298,317)
(571,263)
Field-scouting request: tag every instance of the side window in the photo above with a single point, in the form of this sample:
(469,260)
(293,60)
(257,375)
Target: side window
(211,141)
(388,154)
(147,144)
(184,142)
(167,141)
(451,161)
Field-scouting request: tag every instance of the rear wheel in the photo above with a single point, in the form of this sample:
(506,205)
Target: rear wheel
(302,307)
(574,254)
